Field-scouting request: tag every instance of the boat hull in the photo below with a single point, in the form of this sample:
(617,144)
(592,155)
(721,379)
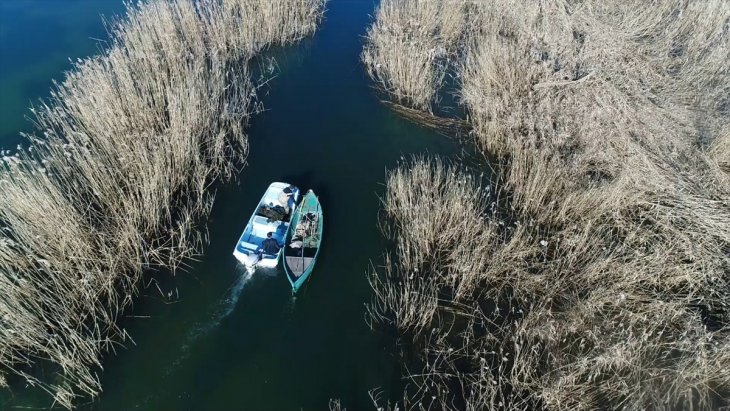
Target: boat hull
(259,225)
(303,241)
(251,261)
(292,264)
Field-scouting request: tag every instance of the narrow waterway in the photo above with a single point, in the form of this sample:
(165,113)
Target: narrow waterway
(219,339)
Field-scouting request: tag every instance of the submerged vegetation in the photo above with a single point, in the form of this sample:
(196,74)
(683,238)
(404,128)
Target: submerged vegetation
(116,175)
(594,271)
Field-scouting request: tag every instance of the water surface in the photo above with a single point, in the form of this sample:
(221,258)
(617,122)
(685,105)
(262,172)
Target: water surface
(38,40)
(217,338)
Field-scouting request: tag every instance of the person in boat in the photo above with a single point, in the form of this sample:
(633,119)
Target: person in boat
(269,246)
(287,197)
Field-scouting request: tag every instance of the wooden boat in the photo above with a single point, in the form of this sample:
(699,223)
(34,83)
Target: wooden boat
(272,215)
(303,241)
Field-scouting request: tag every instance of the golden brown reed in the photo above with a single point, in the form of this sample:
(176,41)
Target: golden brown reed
(408,47)
(607,283)
(116,176)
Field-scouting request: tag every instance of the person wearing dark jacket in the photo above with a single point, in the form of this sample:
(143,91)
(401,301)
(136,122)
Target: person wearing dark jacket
(269,246)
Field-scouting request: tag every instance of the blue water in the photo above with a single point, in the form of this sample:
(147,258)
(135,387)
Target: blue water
(38,38)
(216,338)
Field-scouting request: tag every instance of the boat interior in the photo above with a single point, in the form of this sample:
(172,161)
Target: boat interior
(272,215)
(297,265)
(255,234)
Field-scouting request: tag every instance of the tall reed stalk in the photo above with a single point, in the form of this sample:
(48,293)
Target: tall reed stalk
(116,175)
(600,277)
(408,47)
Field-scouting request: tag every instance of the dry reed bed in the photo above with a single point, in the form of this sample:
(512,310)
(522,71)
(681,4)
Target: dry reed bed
(607,283)
(117,173)
(409,46)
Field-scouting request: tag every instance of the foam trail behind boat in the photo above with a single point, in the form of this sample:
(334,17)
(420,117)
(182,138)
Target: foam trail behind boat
(223,308)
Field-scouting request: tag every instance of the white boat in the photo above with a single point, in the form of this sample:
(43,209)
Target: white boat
(272,215)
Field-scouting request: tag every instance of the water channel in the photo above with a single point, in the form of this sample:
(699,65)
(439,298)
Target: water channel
(216,338)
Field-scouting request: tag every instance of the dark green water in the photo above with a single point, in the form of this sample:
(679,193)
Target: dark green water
(222,340)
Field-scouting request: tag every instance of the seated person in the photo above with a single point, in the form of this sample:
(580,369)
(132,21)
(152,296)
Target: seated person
(269,246)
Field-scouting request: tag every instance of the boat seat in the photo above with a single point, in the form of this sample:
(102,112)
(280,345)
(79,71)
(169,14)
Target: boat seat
(261,227)
(249,246)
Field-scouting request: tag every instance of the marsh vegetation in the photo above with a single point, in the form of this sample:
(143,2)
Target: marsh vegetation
(117,175)
(593,271)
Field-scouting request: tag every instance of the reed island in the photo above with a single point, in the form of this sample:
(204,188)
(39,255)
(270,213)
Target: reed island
(592,269)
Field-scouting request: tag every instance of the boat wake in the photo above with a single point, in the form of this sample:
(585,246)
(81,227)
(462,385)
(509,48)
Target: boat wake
(222,309)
